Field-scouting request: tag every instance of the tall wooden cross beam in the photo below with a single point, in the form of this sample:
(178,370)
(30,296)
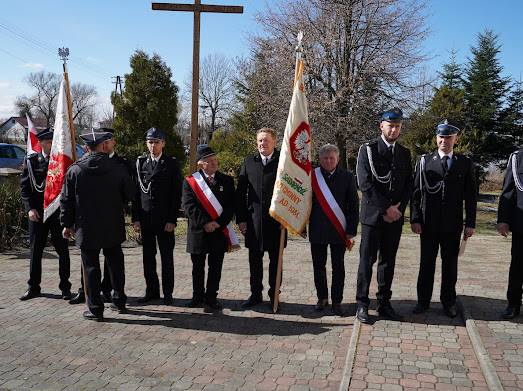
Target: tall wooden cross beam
(197,8)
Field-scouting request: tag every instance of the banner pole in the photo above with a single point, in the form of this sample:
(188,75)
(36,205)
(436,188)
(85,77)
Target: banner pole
(279,271)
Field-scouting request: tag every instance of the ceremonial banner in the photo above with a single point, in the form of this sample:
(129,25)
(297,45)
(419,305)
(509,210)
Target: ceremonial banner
(212,206)
(32,140)
(61,156)
(292,196)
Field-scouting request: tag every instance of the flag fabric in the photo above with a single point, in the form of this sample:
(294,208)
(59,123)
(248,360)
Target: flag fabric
(61,156)
(32,140)
(292,196)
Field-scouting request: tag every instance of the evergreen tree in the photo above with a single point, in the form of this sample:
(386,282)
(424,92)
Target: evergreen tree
(149,99)
(511,119)
(451,75)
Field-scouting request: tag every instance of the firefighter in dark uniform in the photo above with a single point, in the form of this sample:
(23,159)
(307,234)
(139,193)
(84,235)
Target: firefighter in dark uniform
(155,212)
(205,237)
(253,199)
(323,234)
(384,174)
(79,297)
(444,180)
(510,218)
(94,195)
(32,189)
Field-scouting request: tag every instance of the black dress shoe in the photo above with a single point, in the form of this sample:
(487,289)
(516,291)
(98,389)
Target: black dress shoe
(252,301)
(90,316)
(362,314)
(510,312)
(420,308)
(321,304)
(195,303)
(214,305)
(107,297)
(67,295)
(121,309)
(386,311)
(79,298)
(29,294)
(147,298)
(337,309)
(450,310)
(168,300)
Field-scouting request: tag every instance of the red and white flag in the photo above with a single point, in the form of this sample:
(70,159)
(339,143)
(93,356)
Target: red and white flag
(32,140)
(292,196)
(61,156)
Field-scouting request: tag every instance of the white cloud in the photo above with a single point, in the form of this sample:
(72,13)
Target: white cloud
(33,65)
(4,84)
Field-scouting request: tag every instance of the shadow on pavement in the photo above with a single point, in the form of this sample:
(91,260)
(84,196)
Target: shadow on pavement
(222,323)
(488,309)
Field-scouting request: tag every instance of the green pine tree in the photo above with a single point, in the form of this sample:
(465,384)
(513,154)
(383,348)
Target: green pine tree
(149,99)
(451,74)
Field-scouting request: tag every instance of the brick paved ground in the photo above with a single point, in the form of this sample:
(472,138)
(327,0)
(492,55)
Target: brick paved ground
(45,344)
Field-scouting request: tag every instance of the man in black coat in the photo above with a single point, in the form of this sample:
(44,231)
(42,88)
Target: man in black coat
(253,199)
(444,180)
(510,218)
(155,212)
(384,174)
(205,236)
(79,297)
(325,227)
(94,195)
(32,186)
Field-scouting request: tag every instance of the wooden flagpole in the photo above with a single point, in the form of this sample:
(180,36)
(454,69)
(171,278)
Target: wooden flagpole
(297,71)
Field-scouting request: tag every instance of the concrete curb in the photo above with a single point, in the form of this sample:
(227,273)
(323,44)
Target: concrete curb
(487,367)
(351,356)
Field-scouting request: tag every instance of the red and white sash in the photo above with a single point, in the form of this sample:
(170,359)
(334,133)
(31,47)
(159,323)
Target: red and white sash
(212,206)
(329,205)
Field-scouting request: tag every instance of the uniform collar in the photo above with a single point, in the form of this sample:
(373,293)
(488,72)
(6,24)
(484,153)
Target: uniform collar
(156,159)
(387,144)
(267,157)
(441,154)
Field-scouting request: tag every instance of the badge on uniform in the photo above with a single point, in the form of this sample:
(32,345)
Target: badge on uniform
(221,188)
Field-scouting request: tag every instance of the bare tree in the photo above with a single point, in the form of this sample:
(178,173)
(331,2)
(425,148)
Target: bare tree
(361,56)
(216,89)
(42,103)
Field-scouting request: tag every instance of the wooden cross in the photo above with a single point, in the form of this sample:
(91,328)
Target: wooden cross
(197,8)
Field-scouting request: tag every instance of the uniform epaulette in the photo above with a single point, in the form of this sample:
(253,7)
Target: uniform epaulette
(143,156)
(32,155)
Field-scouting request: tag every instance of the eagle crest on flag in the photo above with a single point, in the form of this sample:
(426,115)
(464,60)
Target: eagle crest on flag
(300,144)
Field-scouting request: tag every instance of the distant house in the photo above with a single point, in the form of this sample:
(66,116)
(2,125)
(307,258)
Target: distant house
(14,130)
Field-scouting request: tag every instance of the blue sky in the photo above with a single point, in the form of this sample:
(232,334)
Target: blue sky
(102,35)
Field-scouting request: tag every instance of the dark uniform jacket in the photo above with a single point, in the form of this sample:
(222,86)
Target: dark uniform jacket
(444,212)
(378,197)
(199,241)
(160,205)
(31,198)
(253,199)
(93,198)
(342,185)
(510,209)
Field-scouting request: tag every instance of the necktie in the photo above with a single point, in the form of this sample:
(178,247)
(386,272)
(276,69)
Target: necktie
(211,180)
(445,163)
(265,161)
(390,152)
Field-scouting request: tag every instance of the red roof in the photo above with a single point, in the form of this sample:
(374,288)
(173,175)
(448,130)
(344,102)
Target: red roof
(39,123)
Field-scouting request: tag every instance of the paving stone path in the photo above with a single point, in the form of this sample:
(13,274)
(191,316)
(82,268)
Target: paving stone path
(45,344)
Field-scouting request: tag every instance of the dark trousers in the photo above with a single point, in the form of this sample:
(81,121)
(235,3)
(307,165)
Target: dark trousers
(515,275)
(107,287)
(214,274)
(430,244)
(91,265)
(383,238)
(38,233)
(256,270)
(319,260)
(166,246)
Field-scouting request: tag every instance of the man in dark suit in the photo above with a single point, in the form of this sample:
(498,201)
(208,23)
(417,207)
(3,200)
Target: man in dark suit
(207,236)
(94,195)
(510,218)
(79,297)
(32,186)
(253,199)
(333,221)
(384,174)
(155,212)
(443,181)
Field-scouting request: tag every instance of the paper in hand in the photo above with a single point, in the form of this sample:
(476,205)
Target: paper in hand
(462,247)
